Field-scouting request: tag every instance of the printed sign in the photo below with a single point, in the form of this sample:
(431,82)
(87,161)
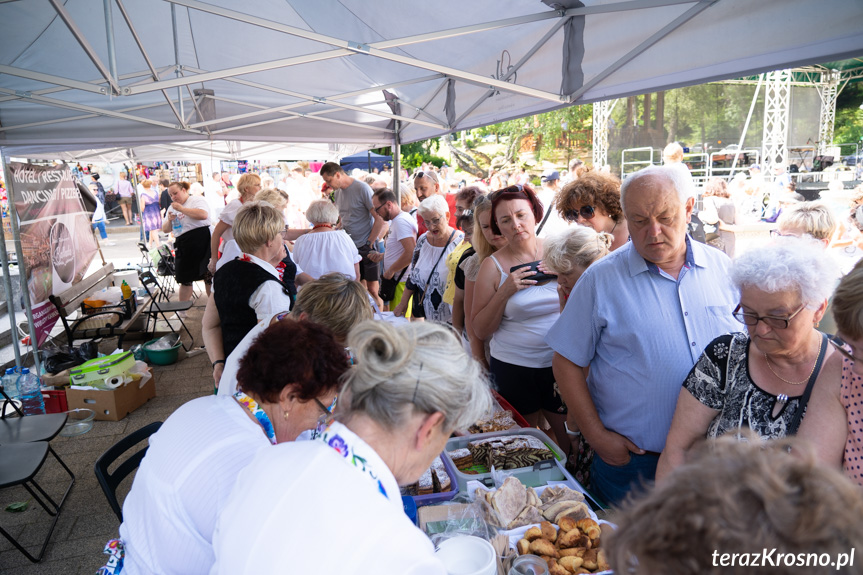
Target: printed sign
(56,237)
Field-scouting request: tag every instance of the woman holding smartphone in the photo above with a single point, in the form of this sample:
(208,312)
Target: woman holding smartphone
(515,307)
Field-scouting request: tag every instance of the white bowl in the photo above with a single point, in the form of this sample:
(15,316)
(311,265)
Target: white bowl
(468,555)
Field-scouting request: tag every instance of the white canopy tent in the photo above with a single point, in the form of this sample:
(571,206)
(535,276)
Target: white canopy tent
(211,151)
(80,74)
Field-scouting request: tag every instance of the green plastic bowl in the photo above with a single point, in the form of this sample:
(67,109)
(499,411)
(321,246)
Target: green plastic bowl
(162,356)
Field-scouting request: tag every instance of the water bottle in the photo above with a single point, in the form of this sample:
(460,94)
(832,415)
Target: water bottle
(30,392)
(177,225)
(10,383)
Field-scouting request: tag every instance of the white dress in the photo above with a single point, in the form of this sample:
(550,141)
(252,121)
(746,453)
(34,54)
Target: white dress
(321,253)
(324,506)
(183,482)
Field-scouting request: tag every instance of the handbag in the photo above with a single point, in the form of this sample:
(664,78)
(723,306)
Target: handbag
(387,291)
(417,307)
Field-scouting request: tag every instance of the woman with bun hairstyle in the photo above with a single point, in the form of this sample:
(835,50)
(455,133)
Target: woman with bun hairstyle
(287,385)
(337,498)
(191,240)
(569,253)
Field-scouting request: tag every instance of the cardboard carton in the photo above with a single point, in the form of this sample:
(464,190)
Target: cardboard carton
(112,404)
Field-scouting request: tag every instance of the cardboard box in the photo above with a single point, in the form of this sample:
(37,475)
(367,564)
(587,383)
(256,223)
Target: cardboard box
(112,404)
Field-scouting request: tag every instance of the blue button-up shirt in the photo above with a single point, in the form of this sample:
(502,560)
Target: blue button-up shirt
(641,331)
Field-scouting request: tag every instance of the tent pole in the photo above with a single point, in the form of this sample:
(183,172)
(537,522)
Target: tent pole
(397,166)
(177,60)
(109,34)
(4,261)
(369,159)
(22,276)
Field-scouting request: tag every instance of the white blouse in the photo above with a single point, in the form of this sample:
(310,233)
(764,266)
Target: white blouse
(292,501)
(183,482)
(321,253)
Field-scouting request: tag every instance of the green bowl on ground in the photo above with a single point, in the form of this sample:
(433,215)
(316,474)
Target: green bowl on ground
(162,356)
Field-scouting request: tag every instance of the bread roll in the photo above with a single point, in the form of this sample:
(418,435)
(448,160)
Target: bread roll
(566,524)
(523,546)
(543,547)
(548,531)
(533,533)
(589,558)
(590,528)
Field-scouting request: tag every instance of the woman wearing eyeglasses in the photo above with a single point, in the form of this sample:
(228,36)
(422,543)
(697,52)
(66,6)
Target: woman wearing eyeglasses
(593,200)
(429,273)
(288,381)
(516,311)
(834,420)
(761,379)
(333,505)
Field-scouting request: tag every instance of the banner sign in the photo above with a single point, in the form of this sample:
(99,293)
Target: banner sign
(56,237)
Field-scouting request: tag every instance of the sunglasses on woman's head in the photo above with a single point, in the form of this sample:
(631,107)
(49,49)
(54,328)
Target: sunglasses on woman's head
(586,212)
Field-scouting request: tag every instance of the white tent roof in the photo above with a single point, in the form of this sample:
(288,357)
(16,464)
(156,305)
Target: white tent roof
(339,71)
(203,151)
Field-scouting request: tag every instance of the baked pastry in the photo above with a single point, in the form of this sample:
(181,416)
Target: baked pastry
(523,546)
(532,533)
(590,560)
(570,563)
(509,452)
(498,421)
(425,485)
(462,458)
(589,527)
(578,512)
(548,531)
(543,547)
(509,500)
(528,515)
(441,479)
(556,493)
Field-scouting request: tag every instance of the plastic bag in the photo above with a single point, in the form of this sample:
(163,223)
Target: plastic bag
(140,372)
(138,352)
(57,358)
(462,519)
(164,343)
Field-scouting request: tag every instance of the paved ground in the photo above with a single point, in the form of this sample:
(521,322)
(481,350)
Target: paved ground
(86,521)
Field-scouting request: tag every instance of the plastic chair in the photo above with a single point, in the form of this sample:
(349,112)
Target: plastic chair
(161,306)
(110,481)
(19,464)
(21,429)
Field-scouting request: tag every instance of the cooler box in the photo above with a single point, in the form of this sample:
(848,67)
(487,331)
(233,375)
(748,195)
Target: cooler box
(101,368)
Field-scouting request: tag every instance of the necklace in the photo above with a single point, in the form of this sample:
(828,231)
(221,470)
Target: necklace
(811,371)
(519,260)
(323,226)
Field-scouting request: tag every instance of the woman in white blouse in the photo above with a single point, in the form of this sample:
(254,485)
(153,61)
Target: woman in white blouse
(429,272)
(334,504)
(325,249)
(288,384)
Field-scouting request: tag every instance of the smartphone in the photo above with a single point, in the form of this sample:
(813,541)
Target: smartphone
(537,275)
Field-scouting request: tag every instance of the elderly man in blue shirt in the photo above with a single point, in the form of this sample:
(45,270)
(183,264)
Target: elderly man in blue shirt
(639,319)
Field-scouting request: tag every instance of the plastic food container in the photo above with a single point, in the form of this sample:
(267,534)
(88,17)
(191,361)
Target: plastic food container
(80,422)
(431,498)
(535,476)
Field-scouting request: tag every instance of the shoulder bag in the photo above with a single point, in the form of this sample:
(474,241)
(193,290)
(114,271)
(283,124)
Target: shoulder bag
(387,291)
(804,399)
(417,307)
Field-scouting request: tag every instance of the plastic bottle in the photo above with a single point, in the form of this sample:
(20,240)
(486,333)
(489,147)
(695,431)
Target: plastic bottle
(31,393)
(10,383)
(177,225)
(127,291)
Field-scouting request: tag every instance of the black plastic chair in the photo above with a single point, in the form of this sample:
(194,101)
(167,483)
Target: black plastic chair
(21,429)
(19,464)
(146,262)
(161,306)
(110,481)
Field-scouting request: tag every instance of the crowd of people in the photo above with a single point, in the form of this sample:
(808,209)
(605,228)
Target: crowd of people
(378,327)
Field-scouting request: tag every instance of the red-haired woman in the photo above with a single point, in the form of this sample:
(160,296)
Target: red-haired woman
(516,311)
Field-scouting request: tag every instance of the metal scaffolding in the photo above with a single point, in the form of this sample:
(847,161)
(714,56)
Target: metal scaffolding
(777,109)
(828,90)
(601,116)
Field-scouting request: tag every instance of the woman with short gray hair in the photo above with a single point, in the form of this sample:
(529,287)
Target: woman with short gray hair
(325,249)
(411,387)
(429,272)
(761,379)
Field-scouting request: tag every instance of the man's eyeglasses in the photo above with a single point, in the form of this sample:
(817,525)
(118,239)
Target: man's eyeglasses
(586,212)
(377,209)
(843,347)
(326,417)
(751,320)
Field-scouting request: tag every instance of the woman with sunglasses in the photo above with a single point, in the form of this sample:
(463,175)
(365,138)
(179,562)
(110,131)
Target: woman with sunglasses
(834,420)
(288,384)
(761,379)
(516,311)
(593,200)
